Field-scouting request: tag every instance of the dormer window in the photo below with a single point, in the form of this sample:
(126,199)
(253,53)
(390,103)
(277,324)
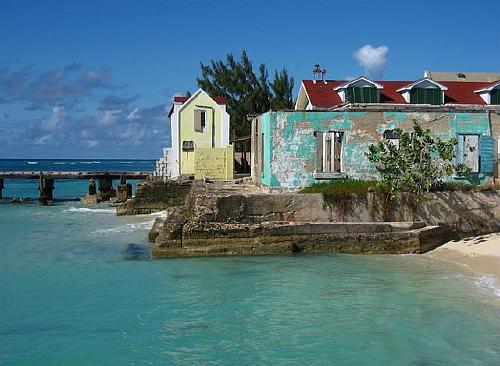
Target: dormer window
(490,94)
(367,94)
(432,96)
(424,91)
(360,90)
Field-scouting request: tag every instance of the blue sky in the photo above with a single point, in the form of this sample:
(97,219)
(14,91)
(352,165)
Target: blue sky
(93,79)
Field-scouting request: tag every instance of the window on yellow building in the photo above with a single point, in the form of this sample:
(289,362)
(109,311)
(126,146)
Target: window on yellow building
(200,118)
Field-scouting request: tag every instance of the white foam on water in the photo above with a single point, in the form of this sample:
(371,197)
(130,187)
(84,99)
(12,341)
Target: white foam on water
(127,228)
(32,162)
(490,283)
(131,227)
(91,210)
(60,163)
(127,162)
(159,214)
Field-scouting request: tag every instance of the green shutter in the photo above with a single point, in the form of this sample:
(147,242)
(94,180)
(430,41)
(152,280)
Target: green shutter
(366,95)
(437,96)
(495,96)
(486,154)
(374,95)
(413,96)
(350,95)
(426,96)
(358,95)
(362,95)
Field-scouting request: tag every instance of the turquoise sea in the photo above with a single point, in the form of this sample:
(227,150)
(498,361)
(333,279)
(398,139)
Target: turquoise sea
(77,287)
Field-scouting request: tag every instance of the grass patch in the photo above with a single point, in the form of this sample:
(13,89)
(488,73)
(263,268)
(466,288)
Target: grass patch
(342,186)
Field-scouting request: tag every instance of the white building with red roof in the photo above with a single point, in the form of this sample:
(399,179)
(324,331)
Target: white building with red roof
(199,134)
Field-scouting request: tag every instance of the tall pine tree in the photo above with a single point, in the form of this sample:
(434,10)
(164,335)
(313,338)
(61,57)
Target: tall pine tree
(245,91)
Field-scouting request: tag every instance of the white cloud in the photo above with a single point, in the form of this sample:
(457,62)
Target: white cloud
(56,120)
(108,117)
(92,143)
(43,140)
(372,59)
(133,115)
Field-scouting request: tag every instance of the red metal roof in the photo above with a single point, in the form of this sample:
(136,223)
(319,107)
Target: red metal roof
(183,99)
(322,95)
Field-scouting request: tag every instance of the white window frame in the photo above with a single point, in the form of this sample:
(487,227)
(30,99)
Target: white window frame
(330,137)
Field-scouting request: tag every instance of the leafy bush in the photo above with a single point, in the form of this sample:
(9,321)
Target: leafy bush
(420,163)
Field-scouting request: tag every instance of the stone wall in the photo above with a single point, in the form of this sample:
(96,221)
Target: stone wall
(154,196)
(466,213)
(227,222)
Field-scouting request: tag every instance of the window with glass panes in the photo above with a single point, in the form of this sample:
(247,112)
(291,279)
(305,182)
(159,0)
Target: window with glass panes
(363,95)
(495,96)
(426,96)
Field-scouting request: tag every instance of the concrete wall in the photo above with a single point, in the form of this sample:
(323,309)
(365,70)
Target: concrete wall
(217,163)
(466,213)
(289,141)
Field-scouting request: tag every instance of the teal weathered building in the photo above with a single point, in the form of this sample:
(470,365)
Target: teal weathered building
(314,143)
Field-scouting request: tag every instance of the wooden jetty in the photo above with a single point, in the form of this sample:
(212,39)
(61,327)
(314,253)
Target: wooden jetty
(105,179)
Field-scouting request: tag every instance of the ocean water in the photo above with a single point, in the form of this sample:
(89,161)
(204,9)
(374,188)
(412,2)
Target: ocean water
(77,287)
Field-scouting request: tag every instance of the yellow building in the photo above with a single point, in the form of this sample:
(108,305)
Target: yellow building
(200,147)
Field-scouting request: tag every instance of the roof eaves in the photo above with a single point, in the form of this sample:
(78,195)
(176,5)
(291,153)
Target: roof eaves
(421,80)
(489,87)
(347,83)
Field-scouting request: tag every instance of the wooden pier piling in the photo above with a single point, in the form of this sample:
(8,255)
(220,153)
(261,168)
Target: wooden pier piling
(106,187)
(92,188)
(124,190)
(46,188)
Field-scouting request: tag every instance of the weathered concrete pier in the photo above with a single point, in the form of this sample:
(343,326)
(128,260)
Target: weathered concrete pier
(46,182)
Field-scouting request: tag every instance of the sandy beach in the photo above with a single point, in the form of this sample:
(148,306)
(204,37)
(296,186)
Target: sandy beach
(481,253)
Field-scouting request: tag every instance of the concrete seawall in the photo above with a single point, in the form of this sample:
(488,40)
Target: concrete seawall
(225,219)
(219,239)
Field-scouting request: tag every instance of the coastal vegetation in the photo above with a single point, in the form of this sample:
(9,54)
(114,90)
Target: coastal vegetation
(246,91)
(418,163)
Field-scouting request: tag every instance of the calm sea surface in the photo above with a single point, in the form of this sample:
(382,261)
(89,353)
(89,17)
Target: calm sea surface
(77,287)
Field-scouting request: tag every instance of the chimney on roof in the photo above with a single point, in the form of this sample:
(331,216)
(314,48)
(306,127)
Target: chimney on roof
(318,73)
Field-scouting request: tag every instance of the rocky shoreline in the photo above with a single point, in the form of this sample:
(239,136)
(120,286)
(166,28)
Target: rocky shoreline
(223,218)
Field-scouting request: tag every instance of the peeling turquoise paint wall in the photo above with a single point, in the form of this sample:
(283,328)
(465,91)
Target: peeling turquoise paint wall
(290,144)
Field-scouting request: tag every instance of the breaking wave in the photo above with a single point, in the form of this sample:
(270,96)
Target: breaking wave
(32,162)
(127,228)
(131,227)
(92,210)
(489,283)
